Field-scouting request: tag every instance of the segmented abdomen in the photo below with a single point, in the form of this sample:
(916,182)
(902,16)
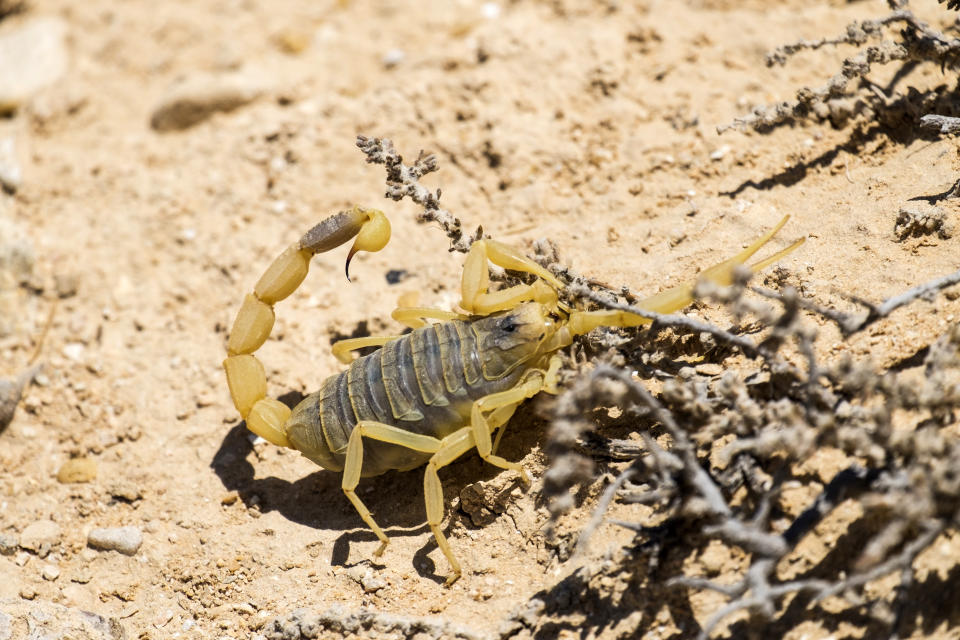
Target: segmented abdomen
(424,382)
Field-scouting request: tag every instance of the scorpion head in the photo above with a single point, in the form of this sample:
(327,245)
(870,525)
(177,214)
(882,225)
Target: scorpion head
(511,338)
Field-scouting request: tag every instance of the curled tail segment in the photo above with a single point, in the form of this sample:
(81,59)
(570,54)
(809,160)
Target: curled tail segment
(251,328)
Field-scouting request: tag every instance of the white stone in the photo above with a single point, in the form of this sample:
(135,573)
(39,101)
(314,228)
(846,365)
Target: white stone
(33,55)
(50,572)
(11,176)
(126,540)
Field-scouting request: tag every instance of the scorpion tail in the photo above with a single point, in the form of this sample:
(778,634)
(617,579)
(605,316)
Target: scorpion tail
(245,374)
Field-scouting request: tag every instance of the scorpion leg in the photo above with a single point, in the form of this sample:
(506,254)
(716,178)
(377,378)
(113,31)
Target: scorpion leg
(678,297)
(500,407)
(415,317)
(342,348)
(500,416)
(476,279)
(251,328)
(354,463)
(483,425)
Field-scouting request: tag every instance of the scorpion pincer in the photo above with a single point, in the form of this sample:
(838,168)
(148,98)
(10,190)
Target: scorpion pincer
(431,395)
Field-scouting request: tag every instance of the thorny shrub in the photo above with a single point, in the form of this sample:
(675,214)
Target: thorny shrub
(715,453)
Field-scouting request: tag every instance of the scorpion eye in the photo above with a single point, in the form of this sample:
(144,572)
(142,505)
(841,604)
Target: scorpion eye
(508,325)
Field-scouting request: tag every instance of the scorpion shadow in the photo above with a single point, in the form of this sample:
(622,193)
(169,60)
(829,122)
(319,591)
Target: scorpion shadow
(317,501)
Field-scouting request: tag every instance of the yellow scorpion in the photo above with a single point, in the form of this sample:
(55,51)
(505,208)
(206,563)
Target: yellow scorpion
(433,394)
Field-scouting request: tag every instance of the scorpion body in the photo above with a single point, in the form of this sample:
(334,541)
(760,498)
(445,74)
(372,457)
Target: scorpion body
(433,394)
(424,382)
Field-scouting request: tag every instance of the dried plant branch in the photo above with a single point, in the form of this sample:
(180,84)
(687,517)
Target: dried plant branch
(941,124)
(762,421)
(918,43)
(850,323)
(404,181)
(857,33)
(678,321)
(845,406)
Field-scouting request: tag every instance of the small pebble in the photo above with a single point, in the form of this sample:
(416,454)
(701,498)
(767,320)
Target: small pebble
(365,577)
(126,540)
(83,575)
(163,618)
(77,470)
(709,369)
(21,559)
(66,284)
(73,350)
(718,155)
(395,276)
(32,56)
(40,536)
(124,490)
(28,593)
(293,40)
(50,572)
(393,57)
(8,544)
(11,175)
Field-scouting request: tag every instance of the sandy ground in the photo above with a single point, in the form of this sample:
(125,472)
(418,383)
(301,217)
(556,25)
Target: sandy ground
(588,123)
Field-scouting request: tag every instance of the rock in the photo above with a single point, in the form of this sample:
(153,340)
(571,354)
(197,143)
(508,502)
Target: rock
(16,254)
(16,267)
(77,470)
(126,540)
(917,219)
(50,572)
(365,577)
(11,176)
(485,501)
(74,351)
(392,58)
(293,40)
(33,55)
(39,619)
(8,544)
(66,284)
(40,537)
(124,490)
(339,622)
(196,98)
(709,369)
(10,393)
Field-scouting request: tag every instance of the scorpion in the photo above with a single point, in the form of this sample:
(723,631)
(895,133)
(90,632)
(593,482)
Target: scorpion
(432,394)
